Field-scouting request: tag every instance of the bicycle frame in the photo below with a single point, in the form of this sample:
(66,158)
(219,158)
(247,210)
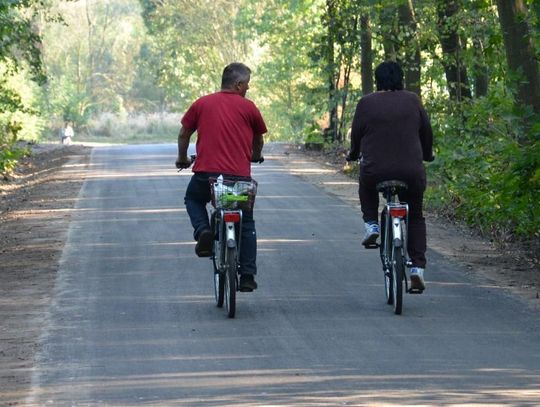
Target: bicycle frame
(395,235)
(228,227)
(229,198)
(393,248)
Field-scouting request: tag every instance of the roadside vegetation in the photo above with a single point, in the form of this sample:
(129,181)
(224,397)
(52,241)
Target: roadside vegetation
(125,70)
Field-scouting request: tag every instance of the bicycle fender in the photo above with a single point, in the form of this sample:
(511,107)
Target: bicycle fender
(230,235)
(396,229)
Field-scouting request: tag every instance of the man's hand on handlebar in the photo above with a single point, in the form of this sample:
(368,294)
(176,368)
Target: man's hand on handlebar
(183,162)
(258,160)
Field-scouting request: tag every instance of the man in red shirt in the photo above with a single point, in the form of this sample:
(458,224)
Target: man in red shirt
(230,132)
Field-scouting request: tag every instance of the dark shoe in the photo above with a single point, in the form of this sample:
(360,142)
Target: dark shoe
(204,243)
(247,283)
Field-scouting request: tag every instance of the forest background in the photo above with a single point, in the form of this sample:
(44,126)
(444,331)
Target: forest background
(126,70)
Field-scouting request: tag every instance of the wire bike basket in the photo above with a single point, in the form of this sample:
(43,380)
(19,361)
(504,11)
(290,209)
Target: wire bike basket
(228,193)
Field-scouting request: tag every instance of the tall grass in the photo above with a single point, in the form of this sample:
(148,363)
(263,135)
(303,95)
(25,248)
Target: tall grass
(151,127)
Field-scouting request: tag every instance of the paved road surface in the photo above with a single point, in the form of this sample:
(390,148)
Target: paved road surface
(134,322)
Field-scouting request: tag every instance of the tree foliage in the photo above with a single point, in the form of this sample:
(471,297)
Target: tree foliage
(20,59)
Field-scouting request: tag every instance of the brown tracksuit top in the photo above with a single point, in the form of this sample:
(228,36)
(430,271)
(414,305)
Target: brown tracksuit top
(393,133)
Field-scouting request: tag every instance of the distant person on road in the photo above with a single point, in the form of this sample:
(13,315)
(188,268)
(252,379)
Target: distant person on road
(67,134)
(392,136)
(230,132)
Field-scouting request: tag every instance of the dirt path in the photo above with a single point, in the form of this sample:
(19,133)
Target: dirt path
(35,210)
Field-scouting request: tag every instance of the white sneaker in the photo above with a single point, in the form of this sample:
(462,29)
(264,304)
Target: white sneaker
(417,279)
(372,233)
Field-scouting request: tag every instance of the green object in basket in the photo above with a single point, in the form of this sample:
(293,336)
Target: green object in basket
(234,198)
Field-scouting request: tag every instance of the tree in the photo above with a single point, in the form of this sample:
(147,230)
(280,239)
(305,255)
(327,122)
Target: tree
(521,57)
(480,31)
(194,41)
(91,58)
(20,64)
(340,50)
(398,33)
(330,23)
(453,62)
(411,55)
(366,57)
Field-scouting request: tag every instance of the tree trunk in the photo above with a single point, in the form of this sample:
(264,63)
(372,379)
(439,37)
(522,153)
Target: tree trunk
(520,52)
(388,30)
(481,78)
(331,131)
(411,57)
(366,67)
(456,72)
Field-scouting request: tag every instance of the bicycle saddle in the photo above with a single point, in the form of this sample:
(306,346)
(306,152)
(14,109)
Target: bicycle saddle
(381,186)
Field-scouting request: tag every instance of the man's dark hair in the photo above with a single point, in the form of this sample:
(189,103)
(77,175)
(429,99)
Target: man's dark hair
(234,73)
(389,76)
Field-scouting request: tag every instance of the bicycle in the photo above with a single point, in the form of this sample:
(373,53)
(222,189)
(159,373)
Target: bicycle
(230,197)
(393,246)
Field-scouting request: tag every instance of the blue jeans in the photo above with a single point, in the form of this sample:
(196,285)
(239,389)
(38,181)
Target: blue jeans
(197,196)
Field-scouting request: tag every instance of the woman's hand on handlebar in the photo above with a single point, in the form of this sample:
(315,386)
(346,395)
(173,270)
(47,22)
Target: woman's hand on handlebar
(258,160)
(351,157)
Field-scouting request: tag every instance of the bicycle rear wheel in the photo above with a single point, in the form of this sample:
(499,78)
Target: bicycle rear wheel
(230,282)
(388,286)
(398,273)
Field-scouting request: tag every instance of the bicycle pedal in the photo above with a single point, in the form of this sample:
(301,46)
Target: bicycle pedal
(371,246)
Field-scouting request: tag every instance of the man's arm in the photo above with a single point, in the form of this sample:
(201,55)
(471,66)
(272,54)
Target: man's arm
(183,161)
(258,143)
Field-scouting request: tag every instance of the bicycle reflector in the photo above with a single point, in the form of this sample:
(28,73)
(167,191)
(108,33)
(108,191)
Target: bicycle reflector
(231,217)
(398,212)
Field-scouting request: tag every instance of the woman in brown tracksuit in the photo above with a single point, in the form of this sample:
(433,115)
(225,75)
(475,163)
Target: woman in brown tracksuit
(392,132)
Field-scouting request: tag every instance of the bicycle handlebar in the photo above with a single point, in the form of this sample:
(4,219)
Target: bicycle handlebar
(349,159)
(194,157)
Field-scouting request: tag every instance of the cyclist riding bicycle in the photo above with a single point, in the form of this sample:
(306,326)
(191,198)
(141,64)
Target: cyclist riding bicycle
(392,133)
(230,132)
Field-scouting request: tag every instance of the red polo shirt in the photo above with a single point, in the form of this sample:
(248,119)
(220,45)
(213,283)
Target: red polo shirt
(225,123)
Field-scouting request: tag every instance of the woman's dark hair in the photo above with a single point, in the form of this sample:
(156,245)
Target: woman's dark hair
(234,73)
(389,76)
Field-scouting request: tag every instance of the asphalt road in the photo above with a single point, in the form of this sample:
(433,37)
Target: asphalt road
(133,321)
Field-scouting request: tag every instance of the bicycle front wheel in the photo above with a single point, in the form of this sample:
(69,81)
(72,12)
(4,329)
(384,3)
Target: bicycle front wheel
(398,273)
(230,282)
(219,288)
(219,278)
